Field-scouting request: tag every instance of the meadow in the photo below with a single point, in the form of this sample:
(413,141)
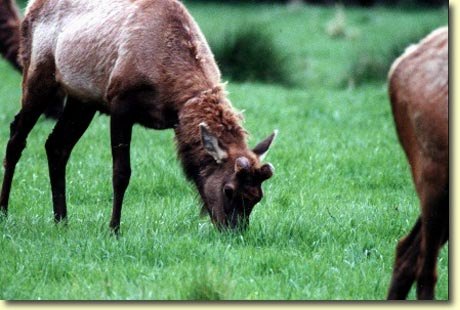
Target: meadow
(341,198)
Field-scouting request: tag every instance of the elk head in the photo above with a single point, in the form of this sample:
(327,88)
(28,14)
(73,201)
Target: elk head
(231,191)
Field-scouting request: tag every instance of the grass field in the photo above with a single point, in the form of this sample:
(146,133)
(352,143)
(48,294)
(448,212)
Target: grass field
(326,229)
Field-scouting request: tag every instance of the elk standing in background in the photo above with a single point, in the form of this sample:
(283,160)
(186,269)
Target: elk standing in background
(418,88)
(144,62)
(9,32)
(9,46)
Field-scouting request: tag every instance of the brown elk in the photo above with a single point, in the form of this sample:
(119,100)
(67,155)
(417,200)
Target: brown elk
(9,46)
(145,62)
(9,32)
(418,89)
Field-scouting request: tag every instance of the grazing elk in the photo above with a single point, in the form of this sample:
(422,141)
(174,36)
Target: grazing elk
(145,62)
(9,47)
(418,89)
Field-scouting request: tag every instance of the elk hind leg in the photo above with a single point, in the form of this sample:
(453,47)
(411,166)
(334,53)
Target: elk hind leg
(33,105)
(73,122)
(120,131)
(405,269)
(435,223)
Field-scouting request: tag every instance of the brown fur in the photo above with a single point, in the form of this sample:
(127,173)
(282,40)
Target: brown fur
(150,66)
(9,32)
(214,109)
(10,22)
(418,88)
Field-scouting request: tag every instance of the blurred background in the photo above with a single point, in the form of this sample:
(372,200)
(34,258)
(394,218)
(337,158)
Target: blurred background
(412,3)
(314,43)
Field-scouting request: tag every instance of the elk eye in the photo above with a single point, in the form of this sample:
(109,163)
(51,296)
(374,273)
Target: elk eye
(228,191)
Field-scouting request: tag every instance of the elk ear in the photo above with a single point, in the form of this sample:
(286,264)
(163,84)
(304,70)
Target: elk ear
(211,144)
(262,148)
(266,171)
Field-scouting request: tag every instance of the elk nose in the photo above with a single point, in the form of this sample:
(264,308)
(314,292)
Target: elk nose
(239,223)
(232,225)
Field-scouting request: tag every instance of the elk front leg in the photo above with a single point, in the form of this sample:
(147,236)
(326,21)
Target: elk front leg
(120,132)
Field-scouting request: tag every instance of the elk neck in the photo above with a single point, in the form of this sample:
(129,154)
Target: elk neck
(213,108)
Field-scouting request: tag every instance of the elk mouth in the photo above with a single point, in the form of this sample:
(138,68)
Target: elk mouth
(224,217)
(233,222)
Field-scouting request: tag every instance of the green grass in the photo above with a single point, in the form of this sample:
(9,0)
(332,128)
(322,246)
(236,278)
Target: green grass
(326,229)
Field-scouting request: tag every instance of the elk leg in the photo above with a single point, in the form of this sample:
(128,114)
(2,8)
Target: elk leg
(73,122)
(120,132)
(19,130)
(404,270)
(54,109)
(435,208)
